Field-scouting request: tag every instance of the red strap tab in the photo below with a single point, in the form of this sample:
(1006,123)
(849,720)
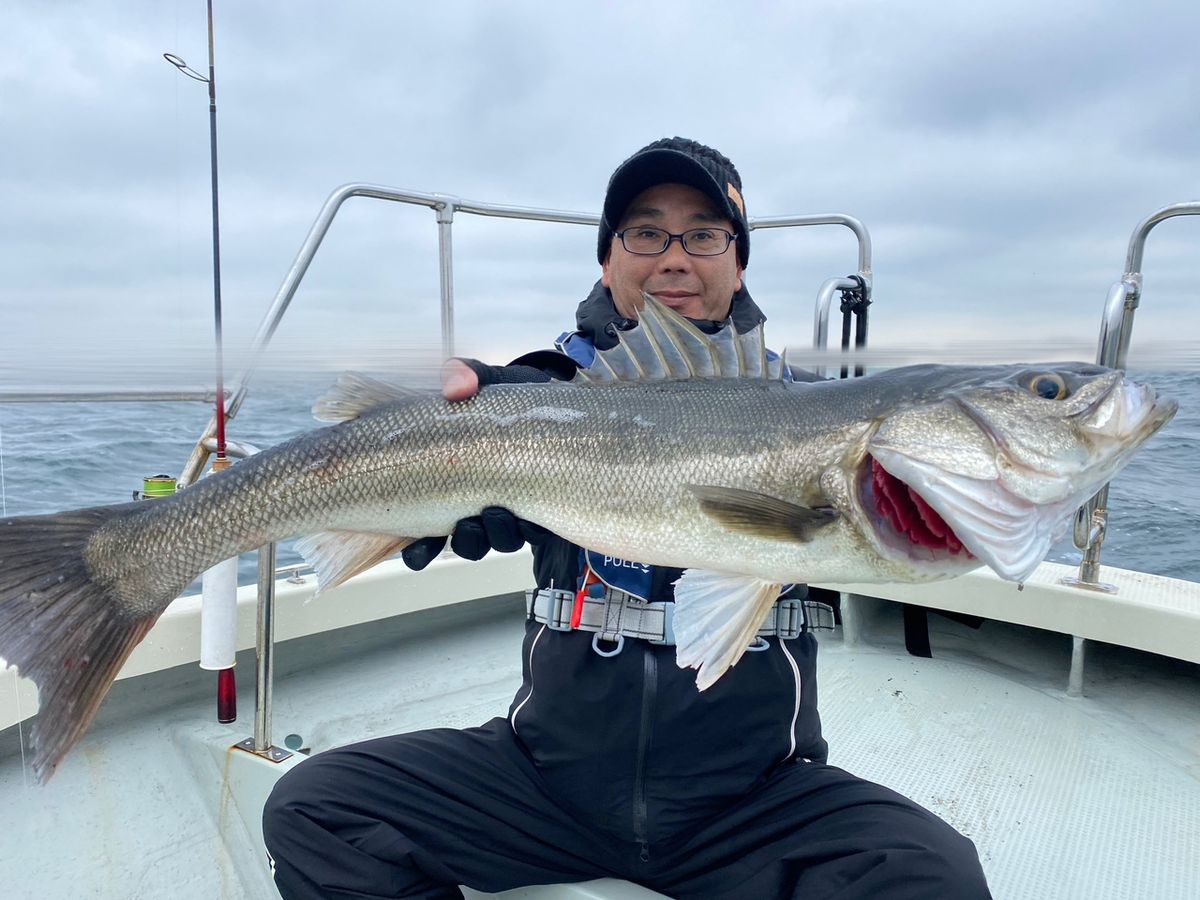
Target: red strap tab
(589,579)
(577,609)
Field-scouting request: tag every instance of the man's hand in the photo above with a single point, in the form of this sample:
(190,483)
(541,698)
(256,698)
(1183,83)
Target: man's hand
(459,381)
(496,528)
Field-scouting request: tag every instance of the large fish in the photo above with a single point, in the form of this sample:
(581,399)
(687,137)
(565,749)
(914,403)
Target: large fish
(674,449)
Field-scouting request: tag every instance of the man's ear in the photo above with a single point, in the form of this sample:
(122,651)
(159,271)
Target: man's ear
(604,269)
(737,287)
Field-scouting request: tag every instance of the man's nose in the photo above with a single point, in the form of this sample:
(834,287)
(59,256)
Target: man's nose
(675,257)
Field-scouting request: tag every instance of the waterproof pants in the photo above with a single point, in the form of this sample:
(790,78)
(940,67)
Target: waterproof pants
(417,815)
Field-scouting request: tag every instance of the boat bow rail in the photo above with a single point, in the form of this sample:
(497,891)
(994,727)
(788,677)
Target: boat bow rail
(446,207)
(1116,329)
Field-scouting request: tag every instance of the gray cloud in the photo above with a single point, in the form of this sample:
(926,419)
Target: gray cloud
(1000,155)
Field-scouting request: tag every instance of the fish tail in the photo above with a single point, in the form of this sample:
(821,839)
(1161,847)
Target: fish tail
(60,626)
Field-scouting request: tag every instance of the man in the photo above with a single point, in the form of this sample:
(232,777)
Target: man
(610,762)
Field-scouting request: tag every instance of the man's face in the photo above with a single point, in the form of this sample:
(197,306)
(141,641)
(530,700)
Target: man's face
(699,287)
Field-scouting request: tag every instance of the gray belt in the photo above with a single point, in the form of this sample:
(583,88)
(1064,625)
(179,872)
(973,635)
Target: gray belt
(616,613)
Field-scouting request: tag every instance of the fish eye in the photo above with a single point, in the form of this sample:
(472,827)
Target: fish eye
(1048,386)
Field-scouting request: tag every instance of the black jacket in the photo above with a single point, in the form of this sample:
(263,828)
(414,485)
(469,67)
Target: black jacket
(628,740)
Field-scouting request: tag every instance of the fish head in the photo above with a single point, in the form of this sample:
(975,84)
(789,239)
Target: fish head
(988,464)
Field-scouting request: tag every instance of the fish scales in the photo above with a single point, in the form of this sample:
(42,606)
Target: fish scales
(606,466)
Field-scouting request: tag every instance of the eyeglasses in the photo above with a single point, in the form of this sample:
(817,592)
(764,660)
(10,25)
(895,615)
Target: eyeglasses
(646,241)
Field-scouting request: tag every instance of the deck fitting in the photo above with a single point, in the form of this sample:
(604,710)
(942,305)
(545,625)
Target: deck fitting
(272,753)
(1102,587)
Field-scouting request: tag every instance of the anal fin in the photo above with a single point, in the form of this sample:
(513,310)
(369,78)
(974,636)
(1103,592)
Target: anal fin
(340,555)
(717,616)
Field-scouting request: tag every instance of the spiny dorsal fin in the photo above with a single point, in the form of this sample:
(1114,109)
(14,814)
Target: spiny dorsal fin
(754,353)
(645,353)
(687,350)
(761,515)
(666,345)
(777,366)
(356,393)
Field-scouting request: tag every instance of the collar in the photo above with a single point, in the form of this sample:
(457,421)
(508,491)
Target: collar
(597,318)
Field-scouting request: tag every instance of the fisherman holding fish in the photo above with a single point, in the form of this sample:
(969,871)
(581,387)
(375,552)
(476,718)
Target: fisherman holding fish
(611,761)
(680,479)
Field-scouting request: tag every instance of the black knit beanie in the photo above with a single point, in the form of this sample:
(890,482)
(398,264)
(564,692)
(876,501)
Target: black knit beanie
(676,161)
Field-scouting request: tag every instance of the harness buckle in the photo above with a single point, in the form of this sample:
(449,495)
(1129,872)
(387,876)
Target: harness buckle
(559,606)
(789,619)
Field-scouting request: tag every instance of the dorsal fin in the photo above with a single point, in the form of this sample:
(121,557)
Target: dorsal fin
(354,394)
(666,345)
(754,353)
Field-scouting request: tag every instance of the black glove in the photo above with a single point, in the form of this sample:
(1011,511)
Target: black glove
(496,528)
(518,373)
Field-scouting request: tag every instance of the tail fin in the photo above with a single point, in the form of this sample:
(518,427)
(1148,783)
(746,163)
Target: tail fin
(61,628)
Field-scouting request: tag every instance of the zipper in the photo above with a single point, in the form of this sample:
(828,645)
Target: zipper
(641,812)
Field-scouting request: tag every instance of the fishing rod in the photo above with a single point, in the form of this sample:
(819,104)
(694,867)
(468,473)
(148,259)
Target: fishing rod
(211,81)
(221,580)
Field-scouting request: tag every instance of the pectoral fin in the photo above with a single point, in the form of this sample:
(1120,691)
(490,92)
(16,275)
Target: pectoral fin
(760,515)
(340,555)
(717,616)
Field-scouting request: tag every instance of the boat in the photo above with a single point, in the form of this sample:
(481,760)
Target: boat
(1062,736)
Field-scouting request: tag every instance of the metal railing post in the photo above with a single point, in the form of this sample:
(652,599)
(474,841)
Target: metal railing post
(445,220)
(1116,327)
(821,313)
(264,649)
(264,657)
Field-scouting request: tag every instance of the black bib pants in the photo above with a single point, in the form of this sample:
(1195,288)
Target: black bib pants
(615,767)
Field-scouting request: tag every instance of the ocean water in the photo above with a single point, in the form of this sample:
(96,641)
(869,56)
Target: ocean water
(57,456)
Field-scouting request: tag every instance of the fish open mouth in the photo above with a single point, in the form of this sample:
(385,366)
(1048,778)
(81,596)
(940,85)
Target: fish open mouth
(909,516)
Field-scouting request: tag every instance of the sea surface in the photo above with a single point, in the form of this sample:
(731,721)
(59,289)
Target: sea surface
(56,456)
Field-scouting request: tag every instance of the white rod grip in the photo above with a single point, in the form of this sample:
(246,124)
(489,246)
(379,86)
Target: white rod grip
(218,616)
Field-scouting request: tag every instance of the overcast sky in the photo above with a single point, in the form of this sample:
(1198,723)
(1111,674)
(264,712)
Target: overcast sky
(1000,154)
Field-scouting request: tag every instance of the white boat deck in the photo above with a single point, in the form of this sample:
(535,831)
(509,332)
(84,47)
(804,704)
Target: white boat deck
(1066,797)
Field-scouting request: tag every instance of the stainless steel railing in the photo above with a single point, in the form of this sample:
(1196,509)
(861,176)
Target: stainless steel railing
(862,282)
(1124,296)
(446,206)
(208,397)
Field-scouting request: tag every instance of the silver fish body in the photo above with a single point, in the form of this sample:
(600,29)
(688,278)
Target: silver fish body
(908,475)
(614,467)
